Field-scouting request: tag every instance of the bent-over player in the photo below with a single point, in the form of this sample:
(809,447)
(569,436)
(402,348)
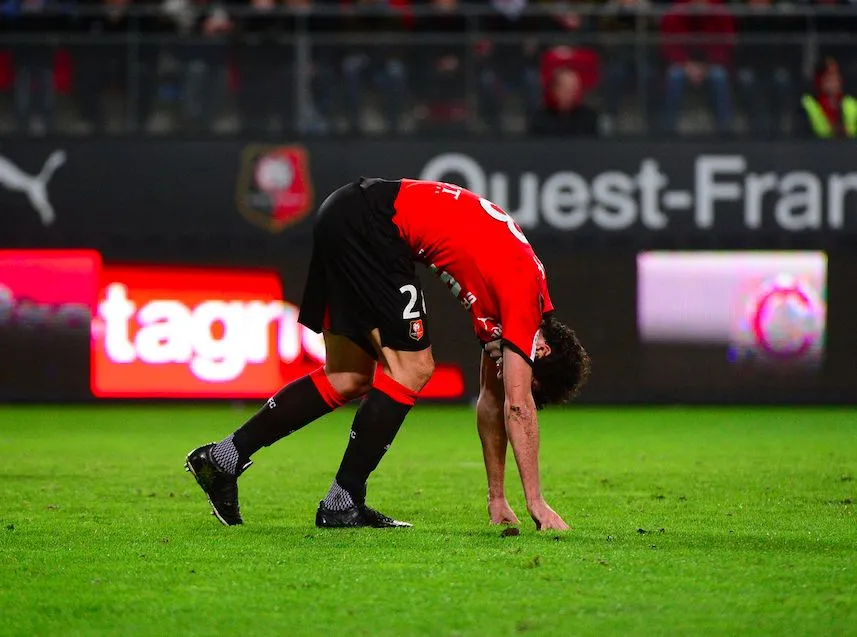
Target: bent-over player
(363,294)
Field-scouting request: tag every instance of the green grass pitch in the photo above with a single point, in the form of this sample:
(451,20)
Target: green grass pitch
(686,522)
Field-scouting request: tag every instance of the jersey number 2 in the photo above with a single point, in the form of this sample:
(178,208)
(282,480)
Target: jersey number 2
(409,312)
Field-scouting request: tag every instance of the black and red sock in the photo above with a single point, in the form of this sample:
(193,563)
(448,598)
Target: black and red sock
(375,426)
(294,406)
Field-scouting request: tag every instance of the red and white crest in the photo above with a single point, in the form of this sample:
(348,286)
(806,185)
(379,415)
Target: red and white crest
(417,330)
(274,186)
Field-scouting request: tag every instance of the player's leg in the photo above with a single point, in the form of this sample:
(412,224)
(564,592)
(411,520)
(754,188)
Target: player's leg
(372,271)
(347,374)
(406,365)
(350,366)
(397,383)
(412,369)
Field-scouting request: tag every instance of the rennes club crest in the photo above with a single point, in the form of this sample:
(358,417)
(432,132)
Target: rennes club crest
(417,330)
(275,186)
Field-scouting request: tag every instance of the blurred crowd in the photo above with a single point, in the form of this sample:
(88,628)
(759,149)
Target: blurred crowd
(761,68)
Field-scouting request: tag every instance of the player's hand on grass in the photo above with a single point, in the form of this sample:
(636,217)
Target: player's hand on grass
(546,518)
(501,513)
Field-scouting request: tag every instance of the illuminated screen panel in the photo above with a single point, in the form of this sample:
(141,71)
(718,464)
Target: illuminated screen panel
(767,307)
(164,332)
(735,326)
(46,303)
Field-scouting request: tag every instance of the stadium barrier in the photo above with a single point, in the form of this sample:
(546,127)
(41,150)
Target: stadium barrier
(694,272)
(648,193)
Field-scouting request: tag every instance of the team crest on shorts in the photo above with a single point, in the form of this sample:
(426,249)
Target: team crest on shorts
(417,330)
(274,186)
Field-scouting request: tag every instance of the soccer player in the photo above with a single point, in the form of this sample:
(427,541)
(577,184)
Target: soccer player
(363,294)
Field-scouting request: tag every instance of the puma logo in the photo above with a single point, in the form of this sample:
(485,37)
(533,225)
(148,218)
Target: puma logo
(484,320)
(34,186)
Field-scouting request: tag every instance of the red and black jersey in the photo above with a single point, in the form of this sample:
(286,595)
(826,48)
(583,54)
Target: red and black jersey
(481,254)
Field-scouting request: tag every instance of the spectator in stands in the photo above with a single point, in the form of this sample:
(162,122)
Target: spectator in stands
(441,76)
(829,113)
(503,68)
(583,61)
(697,44)
(564,113)
(506,70)
(100,64)
(202,57)
(318,93)
(34,57)
(767,70)
(379,69)
(626,69)
(269,91)
(834,31)
(140,71)
(265,85)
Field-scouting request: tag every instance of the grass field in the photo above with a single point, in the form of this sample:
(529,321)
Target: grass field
(686,522)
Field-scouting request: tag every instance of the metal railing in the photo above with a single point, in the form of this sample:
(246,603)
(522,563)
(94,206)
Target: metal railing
(317,72)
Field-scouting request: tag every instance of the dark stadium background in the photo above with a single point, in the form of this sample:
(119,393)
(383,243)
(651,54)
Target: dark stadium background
(686,171)
(584,120)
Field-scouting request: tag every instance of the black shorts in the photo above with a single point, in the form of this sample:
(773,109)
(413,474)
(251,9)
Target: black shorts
(362,273)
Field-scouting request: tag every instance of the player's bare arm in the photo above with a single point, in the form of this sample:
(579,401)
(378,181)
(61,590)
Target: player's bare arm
(522,428)
(492,433)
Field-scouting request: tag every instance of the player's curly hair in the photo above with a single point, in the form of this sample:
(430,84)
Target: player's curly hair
(558,377)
